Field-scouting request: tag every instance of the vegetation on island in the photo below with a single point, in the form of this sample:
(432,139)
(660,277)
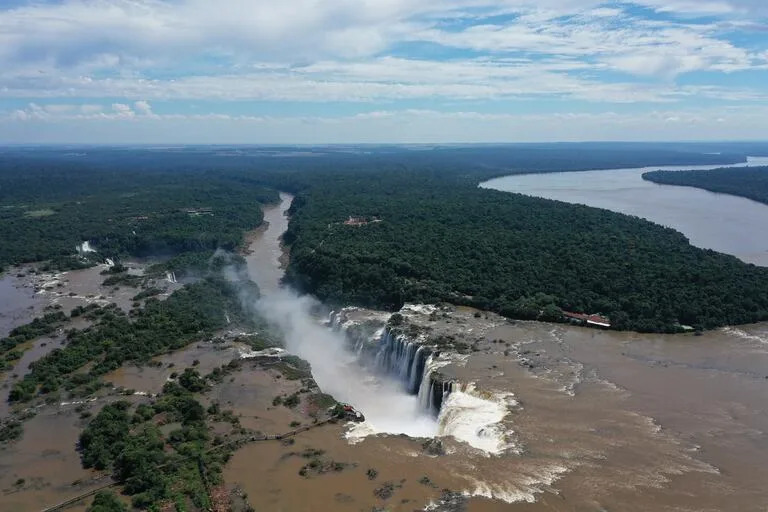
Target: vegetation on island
(749,182)
(189,314)
(440,238)
(156,468)
(41,326)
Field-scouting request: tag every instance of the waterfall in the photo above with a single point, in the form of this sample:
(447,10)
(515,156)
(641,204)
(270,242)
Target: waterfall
(395,355)
(414,365)
(171,277)
(84,248)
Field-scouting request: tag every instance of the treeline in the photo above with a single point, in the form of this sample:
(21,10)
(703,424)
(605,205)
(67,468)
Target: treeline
(440,239)
(749,182)
(40,326)
(142,202)
(47,210)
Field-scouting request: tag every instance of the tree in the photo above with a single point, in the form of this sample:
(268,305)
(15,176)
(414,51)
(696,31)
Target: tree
(107,502)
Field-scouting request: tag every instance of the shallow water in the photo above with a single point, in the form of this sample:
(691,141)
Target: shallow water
(724,223)
(46,459)
(18,303)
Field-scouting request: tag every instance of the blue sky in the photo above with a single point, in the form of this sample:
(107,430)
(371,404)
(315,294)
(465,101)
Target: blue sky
(324,71)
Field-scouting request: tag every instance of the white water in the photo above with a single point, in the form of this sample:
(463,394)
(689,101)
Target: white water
(465,414)
(386,407)
(85,248)
(476,420)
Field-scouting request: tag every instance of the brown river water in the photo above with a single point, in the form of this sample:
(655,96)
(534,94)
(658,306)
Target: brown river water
(46,457)
(593,421)
(599,421)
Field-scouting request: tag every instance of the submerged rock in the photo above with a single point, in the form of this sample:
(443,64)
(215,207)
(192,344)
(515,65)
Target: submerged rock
(433,447)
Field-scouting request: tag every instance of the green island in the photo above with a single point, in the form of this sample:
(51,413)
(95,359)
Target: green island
(749,182)
(398,237)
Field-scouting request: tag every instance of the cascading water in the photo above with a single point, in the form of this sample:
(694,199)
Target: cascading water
(84,248)
(394,355)
(391,378)
(345,373)
(461,410)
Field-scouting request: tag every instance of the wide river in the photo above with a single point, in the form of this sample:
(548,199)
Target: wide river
(637,422)
(724,223)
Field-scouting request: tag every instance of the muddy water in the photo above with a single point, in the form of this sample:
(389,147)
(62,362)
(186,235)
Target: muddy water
(266,253)
(46,459)
(18,303)
(82,287)
(642,422)
(597,421)
(150,378)
(709,392)
(721,222)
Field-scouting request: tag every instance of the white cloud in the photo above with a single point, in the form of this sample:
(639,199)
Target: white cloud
(75,58)
(387,79)
(122,110)
(143,107)
(110,34)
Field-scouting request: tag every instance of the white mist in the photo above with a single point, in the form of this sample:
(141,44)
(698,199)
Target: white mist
(387,408)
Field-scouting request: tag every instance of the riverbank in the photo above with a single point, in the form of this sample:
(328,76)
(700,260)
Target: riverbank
(719,222)
(591,422)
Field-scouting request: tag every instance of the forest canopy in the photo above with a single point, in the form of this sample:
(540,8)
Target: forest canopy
(48,209)
(421,229)
(749,182)
(429,239)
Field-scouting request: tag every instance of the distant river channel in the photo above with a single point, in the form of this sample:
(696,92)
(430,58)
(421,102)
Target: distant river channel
(724,223)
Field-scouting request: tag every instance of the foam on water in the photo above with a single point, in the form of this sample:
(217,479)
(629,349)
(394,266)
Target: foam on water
(523,488)
(476,420)
(734,331)
(336,370)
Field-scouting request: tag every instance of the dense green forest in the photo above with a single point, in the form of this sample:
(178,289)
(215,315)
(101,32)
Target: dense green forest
(440,239)
(157,468)
(437,237)
(749,182)
(46,211)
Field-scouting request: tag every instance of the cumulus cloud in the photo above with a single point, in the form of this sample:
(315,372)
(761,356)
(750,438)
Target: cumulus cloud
(112,59)
(123,110)
(143,107)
